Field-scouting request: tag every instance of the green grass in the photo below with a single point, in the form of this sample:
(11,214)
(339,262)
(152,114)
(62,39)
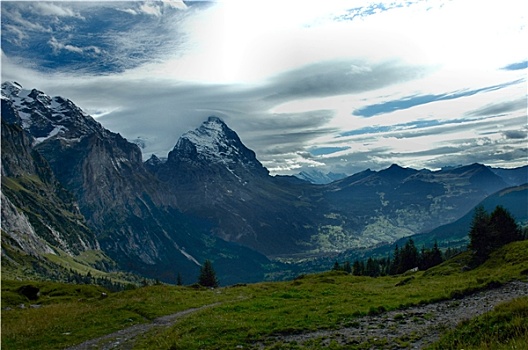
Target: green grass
(250,313)
(506,327)
(74,313)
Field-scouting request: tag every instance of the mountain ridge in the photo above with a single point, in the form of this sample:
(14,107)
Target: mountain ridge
(212,198)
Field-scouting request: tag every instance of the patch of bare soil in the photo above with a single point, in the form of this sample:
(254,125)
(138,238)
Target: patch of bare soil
(413,328)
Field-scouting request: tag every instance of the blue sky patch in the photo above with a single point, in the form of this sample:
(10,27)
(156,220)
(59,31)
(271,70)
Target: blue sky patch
(412,101)
(516,66)
(326,150)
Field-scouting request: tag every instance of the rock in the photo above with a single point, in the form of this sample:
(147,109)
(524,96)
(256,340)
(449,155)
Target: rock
(29,291)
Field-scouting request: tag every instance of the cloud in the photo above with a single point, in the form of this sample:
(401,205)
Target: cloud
(500,108)
(319,86)
(53,9)
(516,134)
(332,78)
(412,101)
(150,9)
(57,47)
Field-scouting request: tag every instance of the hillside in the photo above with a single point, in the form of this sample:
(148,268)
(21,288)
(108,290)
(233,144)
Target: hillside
(317,307)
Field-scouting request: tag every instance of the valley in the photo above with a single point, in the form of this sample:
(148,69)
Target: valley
(71,186)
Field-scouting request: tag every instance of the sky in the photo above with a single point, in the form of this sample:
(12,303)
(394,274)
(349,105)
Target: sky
(337,86)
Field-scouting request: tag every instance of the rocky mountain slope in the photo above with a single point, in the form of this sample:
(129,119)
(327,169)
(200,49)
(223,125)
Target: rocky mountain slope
(211,198)
(135,221)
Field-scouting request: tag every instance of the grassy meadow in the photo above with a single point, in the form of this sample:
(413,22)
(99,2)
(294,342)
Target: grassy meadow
(252,313)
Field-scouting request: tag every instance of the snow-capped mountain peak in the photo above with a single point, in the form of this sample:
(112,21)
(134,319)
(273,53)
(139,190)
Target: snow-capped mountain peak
(212,139)
(10,89)
(43,116)
(215,142)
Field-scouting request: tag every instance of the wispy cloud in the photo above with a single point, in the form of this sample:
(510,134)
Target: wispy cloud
(500,107)
(53,9)
(412,101)
(57,47)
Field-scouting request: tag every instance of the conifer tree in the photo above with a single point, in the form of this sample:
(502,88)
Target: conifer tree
(356,268)
(489,232)
(504,226)
(346,267)
(179,279)
(395,261)
(207,276)
(478,234)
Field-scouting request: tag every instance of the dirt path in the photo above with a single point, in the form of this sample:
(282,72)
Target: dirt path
(412,328)
(125,338)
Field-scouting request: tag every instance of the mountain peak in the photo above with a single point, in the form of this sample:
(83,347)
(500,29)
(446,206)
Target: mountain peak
(10,89)
(45,117)
(397,173)
(215,119)
(214,142)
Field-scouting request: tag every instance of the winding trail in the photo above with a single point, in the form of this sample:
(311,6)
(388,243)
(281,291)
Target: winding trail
(413,327)
(125,338)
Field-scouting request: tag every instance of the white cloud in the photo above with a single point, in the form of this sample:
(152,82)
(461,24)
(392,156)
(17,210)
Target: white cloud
(54,9)
(57,46)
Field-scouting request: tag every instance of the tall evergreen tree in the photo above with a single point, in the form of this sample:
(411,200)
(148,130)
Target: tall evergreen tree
(504,226)
(179,279)
(479,240)
(437,255)
(207,276)
(356,268)
(489,232)
(395,261)
(372,268)
(346,267)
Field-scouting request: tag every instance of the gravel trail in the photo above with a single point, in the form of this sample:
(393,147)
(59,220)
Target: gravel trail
(125,338)
(413,327)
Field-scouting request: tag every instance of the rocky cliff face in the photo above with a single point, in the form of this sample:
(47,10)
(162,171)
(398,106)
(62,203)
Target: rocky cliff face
(37,212)
(135,217)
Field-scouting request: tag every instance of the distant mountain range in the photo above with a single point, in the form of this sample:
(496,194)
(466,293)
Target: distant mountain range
(318,177)
(69,185)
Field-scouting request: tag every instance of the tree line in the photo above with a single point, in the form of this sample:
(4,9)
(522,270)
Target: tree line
(488,232)
(402,259)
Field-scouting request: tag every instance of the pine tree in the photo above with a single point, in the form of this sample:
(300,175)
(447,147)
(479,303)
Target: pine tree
(479,240)
(179,279)
(346,267)
(489,232)
(372,269)
(395,261)
(207,276)
(356,268)
(436,258)
(410,257)
(504,226)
